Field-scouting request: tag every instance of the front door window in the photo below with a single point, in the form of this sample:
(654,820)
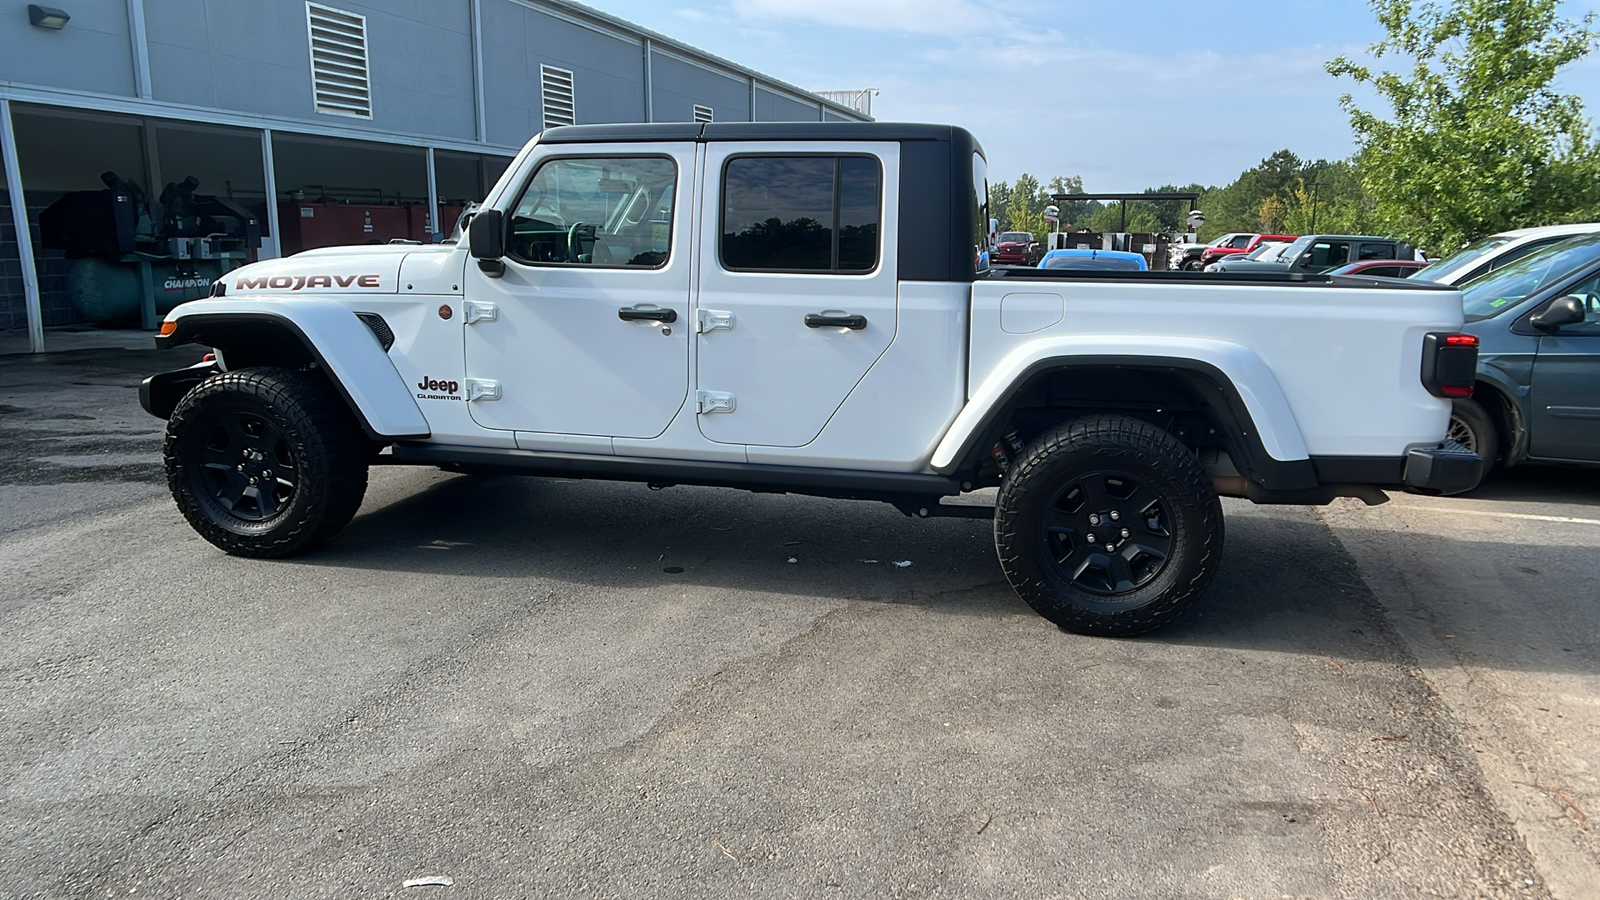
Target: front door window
(596,211)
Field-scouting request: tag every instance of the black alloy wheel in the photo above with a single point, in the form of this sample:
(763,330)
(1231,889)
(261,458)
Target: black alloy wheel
(1108,525)
(265,462)
(248,467)
(1107,533)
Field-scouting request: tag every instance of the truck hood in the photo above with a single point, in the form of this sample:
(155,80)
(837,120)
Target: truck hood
(373,269)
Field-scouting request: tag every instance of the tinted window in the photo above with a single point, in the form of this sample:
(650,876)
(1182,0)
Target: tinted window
(1589,293)
(1016,236)
(801,213)
(1326,254)
(1507,286)
(1462,258)
(980,205)
(1528,249)
(1377,251)
(1241,241)
(596,211)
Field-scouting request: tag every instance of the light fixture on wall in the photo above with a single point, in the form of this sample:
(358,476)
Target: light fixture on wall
(47,17)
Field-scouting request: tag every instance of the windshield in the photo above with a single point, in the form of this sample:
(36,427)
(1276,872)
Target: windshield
(1491,294)
(1225,240)
(1295,249)
(1462,258)
(1015,236)
(1101,263)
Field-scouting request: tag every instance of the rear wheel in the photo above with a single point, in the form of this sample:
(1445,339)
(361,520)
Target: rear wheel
(265,462)
(1108,525)
(1471,427)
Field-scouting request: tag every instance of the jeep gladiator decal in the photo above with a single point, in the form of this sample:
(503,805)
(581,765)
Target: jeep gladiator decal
(450,388)
(301,282)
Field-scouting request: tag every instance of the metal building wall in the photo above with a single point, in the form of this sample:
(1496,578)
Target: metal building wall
(255,57)
(93,53)
(607,71)
(774,107)
(679,85)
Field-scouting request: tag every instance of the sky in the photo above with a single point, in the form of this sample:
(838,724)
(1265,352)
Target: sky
(1126,95)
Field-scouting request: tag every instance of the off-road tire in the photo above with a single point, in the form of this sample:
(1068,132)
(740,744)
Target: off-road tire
(1037,519)
(1471,426)
(303,434)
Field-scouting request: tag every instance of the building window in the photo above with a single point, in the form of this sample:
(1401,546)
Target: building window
(556,88)
(611,212)
(801,213)
(702,113)
(339,82)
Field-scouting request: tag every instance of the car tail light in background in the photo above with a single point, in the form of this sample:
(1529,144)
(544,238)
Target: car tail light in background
(1449,364)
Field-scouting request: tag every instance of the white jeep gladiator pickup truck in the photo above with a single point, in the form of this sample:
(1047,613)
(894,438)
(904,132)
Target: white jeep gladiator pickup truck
(804,308)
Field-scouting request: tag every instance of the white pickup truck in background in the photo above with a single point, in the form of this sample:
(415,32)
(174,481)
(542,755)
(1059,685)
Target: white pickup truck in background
(802,308)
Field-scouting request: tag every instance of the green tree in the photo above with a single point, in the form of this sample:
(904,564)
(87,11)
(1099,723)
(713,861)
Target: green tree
(1478,140)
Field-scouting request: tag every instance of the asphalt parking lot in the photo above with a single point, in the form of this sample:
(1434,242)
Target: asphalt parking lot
(545,688)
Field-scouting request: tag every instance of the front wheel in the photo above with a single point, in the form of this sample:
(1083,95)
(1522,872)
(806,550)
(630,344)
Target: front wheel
(265,462)
(1108,525)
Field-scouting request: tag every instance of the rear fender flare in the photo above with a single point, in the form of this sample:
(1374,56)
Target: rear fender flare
(1248,397)
(305,329)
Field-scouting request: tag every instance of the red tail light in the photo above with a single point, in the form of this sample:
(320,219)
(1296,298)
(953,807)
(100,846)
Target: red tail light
(1449,364)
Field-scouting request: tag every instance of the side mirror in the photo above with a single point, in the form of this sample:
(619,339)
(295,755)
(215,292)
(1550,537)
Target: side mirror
(486,237)
(1563,311)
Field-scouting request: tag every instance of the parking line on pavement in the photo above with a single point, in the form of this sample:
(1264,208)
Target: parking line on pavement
(1504,515)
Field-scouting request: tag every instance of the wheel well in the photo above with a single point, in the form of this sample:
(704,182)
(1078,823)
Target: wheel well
(259,341)
(1205,416)
(249,340)
(1506,418)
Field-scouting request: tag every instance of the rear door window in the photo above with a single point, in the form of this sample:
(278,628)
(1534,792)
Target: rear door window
(801,214)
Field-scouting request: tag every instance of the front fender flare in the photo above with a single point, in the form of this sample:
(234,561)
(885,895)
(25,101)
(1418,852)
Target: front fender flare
(331,335)
(1271,436)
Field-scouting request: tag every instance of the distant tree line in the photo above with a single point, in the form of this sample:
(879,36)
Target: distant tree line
(1476,141)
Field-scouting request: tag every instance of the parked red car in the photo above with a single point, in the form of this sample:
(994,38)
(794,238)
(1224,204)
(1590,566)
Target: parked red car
(1212,254)
(1017,248)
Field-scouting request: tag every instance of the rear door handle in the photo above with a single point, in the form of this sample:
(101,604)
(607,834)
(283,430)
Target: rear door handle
(630,314)
(854,323)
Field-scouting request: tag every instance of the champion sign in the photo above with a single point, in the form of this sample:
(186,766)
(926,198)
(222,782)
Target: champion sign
(186,284)
(302,282)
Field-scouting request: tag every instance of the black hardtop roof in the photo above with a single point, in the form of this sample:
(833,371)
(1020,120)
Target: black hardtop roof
(755,131)
(1352,237)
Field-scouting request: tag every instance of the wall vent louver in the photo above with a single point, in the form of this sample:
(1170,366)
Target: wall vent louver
(556,89)
(702,113)
(339,80)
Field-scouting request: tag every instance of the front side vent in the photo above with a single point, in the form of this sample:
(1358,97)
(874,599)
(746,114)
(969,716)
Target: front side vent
(556,87)
(702,113)
(339,82)
(380,329)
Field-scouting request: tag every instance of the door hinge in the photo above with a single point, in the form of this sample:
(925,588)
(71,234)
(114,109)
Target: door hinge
(479,311)
(713,320)
(715,402)
(483,389)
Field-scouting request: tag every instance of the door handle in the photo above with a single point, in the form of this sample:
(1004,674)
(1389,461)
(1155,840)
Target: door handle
(854,323)
(630,314)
